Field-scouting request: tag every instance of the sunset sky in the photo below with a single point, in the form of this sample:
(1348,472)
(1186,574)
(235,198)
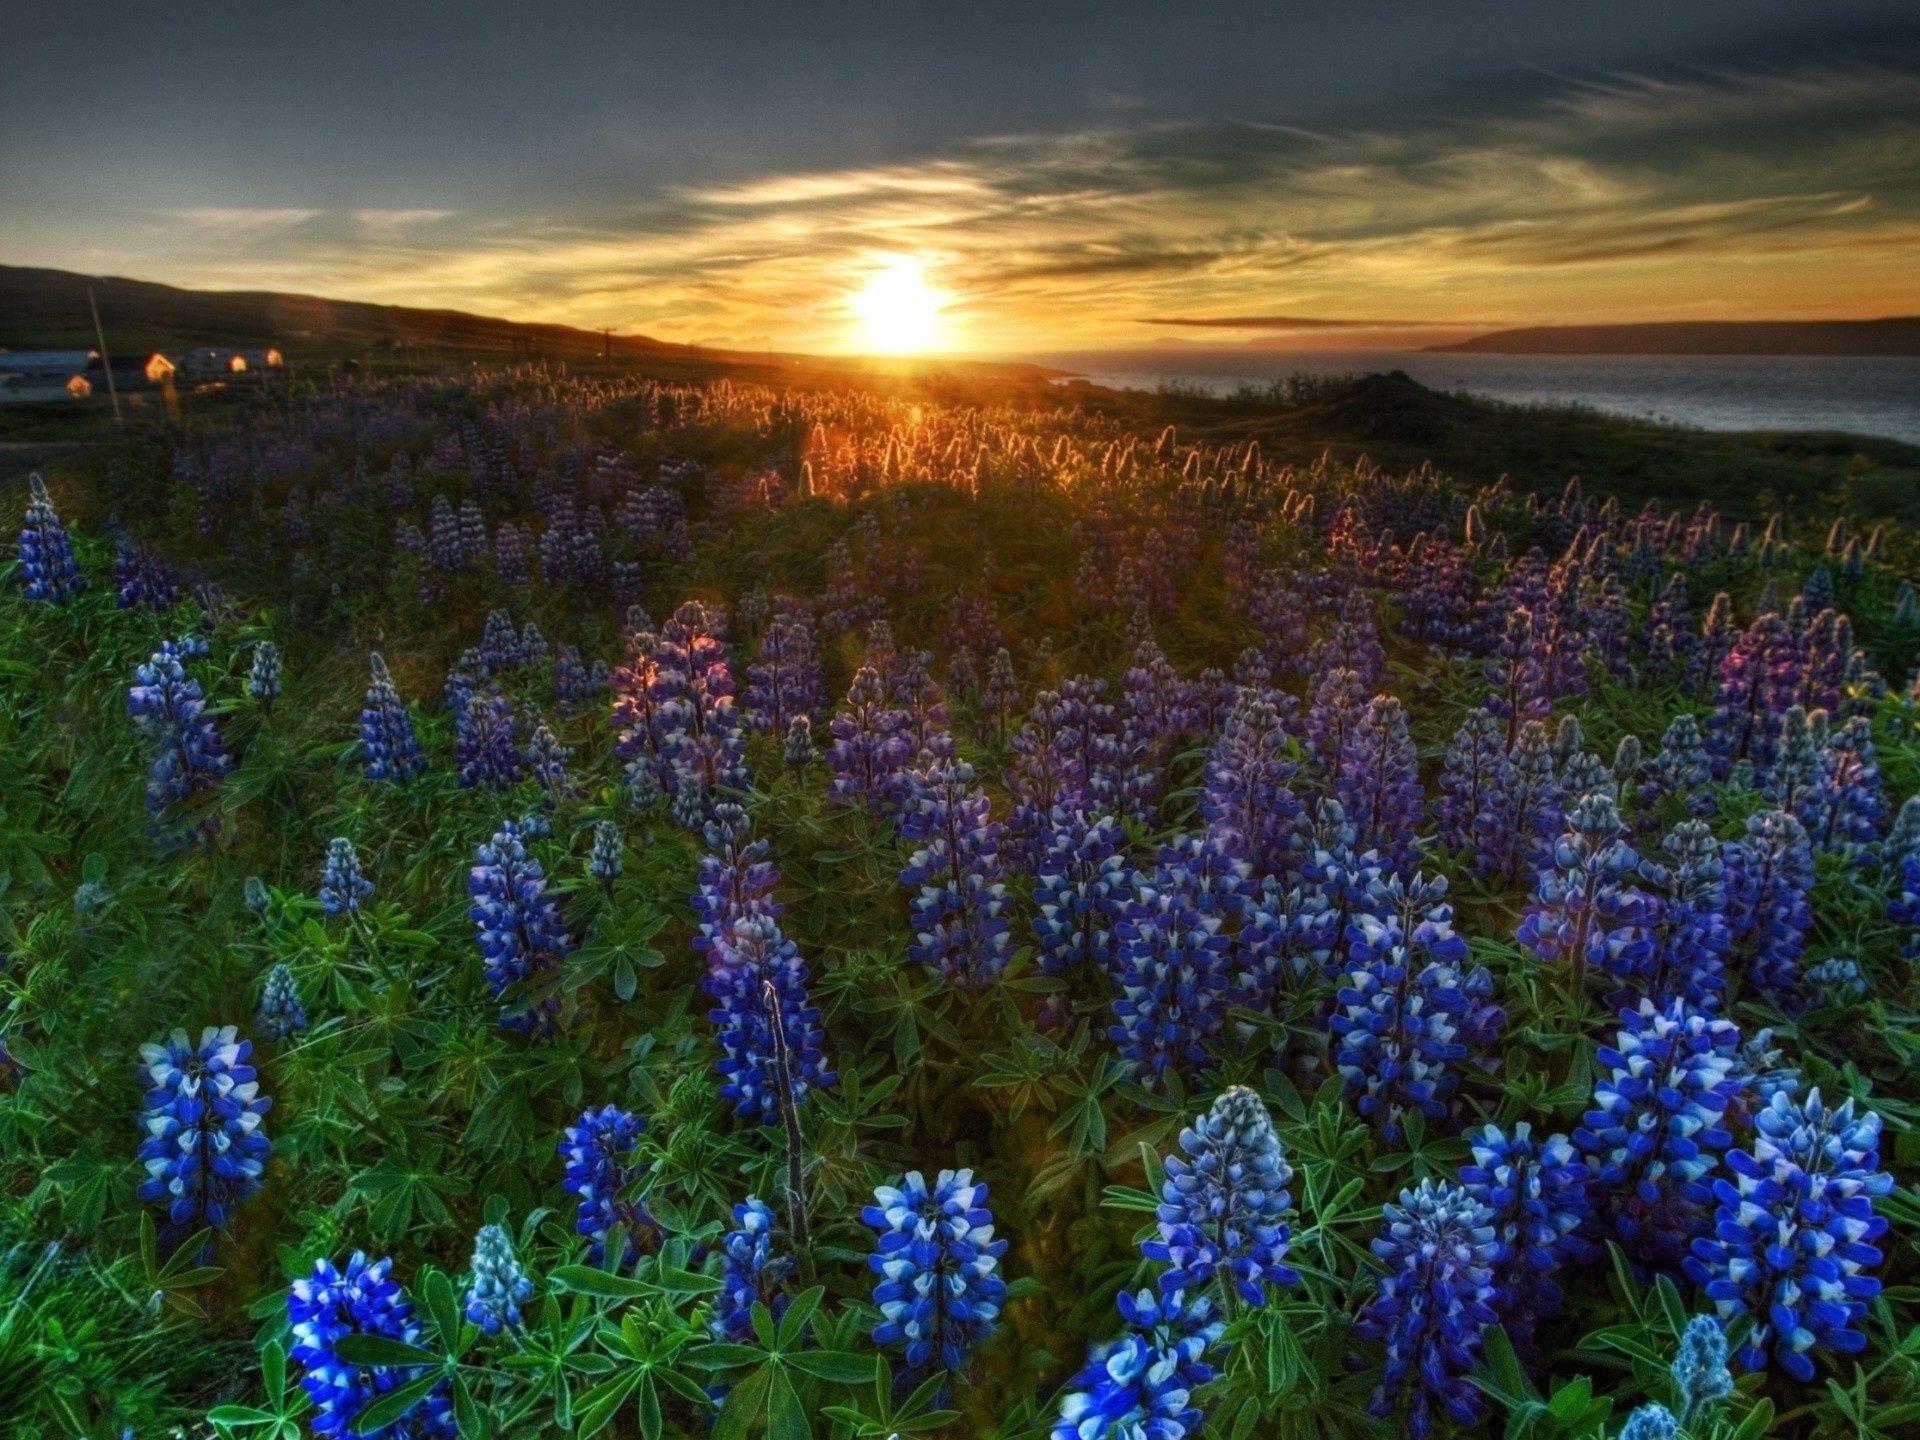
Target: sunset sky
(1053,176)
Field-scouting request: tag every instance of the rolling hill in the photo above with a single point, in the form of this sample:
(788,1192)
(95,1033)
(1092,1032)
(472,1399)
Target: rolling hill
(1896,335)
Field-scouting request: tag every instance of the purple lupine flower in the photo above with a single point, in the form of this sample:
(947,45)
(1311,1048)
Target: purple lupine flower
(785,682)
(753,1274)
(1793,1235)
(1769,876)
(168,709)
(602,1151)
(387,744)
(1522,812)
(499,648)
(1354,643)
(1140,1387)
(1377,780)
(47,567)
(1688,930)
(959,903)
(700,736)
(486,743)
(1516,682)
(547,760)
(141,578)
(1536,1192)
(869,746)
(1758,682)
(1002,694)
(204,1151)
(342,885)
(743,964)
(362,1299)
(1339,706)
(1172,964)
(1247,802)
(1478,767)
(1223,1207)
(1080,890)
(1680,772)
(1047,773)
(1849,807)
(939,1290)
(1585,912)
(500,1285)
(1903,909)
(1657,1127)
(927,732)
(522,936)
(735,877)
(1439,1248)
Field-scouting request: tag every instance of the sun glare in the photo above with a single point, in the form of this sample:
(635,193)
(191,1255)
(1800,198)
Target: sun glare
(897,311)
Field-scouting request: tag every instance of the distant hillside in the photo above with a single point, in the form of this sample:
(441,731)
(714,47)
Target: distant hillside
(1895,336)
(48,309)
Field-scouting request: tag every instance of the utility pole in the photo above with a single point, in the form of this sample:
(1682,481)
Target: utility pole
(106,360)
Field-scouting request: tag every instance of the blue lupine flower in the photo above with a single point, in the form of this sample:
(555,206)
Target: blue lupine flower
(364,1299)
(1439,1248)
(735,877)
(939,1290)
(1477,768)
(387,744)
(1657,1126)
(1521,814)
(753,1273)
(47,566)
(784,685)
(485,743)
(1700,1368)
(263,676)
(869,748)
(1837,980)
(700,739)
(1080,889)
(1689,937)
(1903,909)
(1681,771)
(342,886)
(741,966)
(517,923)
(1652,1421)
(1377,780)
(602,1154)
(1339,706)
(500,1286)
(1769,874)
(141,578)
(1537,1194)
(798,749)
(204,1150)
(1584,913)
(1793,1232)
(603,860)
(169,710)
(547,760)
(1140,1387)
(1172,963)
(1223,1207)
(959,900)
(281,1014)
(1247,802)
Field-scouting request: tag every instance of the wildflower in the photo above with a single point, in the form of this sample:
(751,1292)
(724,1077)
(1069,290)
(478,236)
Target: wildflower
(1583,912)
(1688,935)
(1699,1370)
(603,861)
(1477,766)
(486,745)
(1080,890)
(798,750)
(387,744)
(263,676)
(1141,1386)
(869,748)
(959,902)
(281,1014)
(1769,875)
(364,1299)
(500,1286)
(342,886)
(743,963)
(1522,811)
(1652,1421)
(1377,780)
(1439,1248)
(1222,1207)
(1247,801)
(1171,968)
(753,1273)
(939,1290)
(47,567)
(518,925)
(204,1150)
(1792,1237)
(602,1154)
(785,683)
(168,708)
(547,759)
(1536,1193)
(735,878)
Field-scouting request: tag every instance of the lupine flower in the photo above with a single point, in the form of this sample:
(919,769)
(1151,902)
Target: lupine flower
(204,1150)
(1699,1369)
(959,900)
(1688,935)
(1680,772)
(1793,1232)
(281,1014)
(869,748)
(47,567)
(1537,1195)
(1657,1126)
(1080,890)
(1522,811)
(342,886)
(1246,800)
(1002,695)
(1477,768)
(1652,1421)
(753,1273)
(1516,682)
(602,1151)
(1584,911)
(1759,679)
(547,760)
(1439,1248)
(743,962)
(1172,964)
(735,877)
(1377,780)
(1339,706)
(141,578)
(387,743)
(798,750)
(1849,809)
(603,861)
(1903,909)
(486,744)
(1837,980)
(364,1299)
(500,1286)
(700,736)
(939,1290)
(1140,1387)
(1769,874)
(1222,1208)
(518,925)
(784,684)
(263,677)
(168,708)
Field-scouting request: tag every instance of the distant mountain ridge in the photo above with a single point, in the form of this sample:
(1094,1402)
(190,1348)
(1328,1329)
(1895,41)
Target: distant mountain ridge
(1894,336)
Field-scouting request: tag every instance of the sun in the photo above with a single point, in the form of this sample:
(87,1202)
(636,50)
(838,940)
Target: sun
(897,311)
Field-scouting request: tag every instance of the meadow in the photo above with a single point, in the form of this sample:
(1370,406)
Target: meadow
(589,905)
